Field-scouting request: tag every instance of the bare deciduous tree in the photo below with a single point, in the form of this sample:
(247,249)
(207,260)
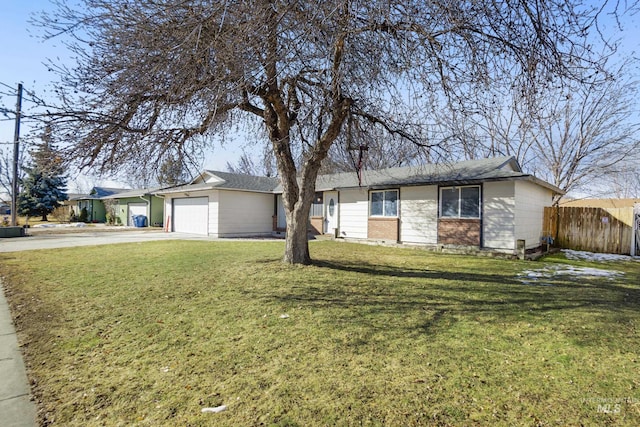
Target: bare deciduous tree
(576,135)
(250,164)
(172,172)
(6,174)
(158,77)
(624,182)
(583,133)
(6,170)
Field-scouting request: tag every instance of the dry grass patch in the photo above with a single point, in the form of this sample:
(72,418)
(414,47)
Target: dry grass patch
(149,334)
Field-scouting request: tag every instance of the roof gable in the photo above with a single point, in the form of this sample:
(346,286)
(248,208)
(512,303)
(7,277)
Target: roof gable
(207,177)
(210,180)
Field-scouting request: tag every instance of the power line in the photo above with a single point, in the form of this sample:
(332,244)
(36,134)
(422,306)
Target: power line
(8,86)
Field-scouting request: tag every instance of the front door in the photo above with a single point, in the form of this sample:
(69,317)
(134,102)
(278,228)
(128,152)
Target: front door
(330,212)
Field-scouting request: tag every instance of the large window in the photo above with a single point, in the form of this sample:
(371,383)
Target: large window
(316,206)
(460,202)
(384,203)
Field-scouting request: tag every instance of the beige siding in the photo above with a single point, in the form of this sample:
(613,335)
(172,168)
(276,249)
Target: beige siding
(530,202)
(214,204)
(354,212)
(419,214)
(167,212)
(243,213)
(499,215)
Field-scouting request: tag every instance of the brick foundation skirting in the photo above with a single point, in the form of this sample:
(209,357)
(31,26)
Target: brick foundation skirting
(453,231)
(383,229)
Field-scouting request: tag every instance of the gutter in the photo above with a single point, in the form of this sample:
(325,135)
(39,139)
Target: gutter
(469,181)
(148,202)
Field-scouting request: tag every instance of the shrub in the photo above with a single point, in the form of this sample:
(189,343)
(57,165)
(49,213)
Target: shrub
(84,215)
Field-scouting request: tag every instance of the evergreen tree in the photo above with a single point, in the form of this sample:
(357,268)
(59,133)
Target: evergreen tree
(44,186)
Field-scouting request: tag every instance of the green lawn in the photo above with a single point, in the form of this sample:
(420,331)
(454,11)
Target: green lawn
(149,334)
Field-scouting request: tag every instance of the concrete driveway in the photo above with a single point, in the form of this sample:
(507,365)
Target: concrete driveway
(88,238)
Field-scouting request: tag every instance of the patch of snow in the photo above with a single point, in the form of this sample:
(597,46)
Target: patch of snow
(214,410)
(534,277)
(71,224)
(590,256)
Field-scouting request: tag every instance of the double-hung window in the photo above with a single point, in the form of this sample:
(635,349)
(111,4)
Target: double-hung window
(460,202)
(384,203)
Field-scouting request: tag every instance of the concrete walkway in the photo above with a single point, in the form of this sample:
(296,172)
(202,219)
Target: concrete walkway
(88,238)
(16,407)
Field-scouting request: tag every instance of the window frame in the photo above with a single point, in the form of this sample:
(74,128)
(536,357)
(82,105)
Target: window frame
(384,199)
(459,199)
(317,205)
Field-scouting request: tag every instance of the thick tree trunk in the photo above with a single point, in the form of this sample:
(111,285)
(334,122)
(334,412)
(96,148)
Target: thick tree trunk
(298,190)
(279,115)
(297,198)
(296,240)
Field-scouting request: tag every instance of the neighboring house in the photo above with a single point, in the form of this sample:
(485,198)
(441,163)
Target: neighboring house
(486,203)
(128,203)
(69,206)
(96,211)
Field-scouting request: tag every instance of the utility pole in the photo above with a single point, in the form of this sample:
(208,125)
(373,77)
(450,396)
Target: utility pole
(16,157)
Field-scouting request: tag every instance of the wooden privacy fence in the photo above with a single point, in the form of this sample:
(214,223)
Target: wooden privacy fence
(605,230)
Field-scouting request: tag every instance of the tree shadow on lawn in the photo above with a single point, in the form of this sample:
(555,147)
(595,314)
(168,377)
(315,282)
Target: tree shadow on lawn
(440,298)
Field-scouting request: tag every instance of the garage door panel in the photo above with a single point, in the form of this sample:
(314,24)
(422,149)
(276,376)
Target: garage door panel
(135,209)
(191,215)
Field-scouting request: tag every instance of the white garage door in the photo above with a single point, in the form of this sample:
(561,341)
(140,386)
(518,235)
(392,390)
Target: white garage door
(136,209)
(191,215)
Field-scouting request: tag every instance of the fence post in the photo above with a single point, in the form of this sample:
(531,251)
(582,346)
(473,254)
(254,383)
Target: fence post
(521,248)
